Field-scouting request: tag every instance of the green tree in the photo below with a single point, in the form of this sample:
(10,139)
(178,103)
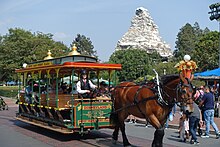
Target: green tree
(186,40)
(206,53)
(198,32)
(135,63)
(206,30)
(20,46)
(84,45)
(165,68)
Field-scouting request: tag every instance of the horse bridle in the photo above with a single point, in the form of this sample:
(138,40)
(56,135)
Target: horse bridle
(179,89)
(183,90)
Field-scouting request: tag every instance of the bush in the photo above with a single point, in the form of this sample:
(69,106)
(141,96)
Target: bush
(9,91)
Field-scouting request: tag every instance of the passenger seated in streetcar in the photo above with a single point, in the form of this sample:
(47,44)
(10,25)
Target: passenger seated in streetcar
(103,89)
(84,86)
(70,90)
(52,88)
(28,93)
(64,88)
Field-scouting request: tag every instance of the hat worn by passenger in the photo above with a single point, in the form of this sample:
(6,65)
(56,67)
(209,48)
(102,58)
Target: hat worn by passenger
(83,72)
(103,83)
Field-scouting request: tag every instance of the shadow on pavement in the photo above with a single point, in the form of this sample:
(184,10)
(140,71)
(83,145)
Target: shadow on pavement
(60,136)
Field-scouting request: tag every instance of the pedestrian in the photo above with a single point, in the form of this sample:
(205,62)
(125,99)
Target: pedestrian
(174,109)
(183,128)
(197,99)
(194,118)
(170,118)
(132,119)
(147,124)
(208,106)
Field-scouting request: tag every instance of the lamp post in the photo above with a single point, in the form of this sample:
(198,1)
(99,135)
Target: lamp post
(24,66)
(215,14)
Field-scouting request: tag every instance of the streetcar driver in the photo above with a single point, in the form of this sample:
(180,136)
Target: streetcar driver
(84,86)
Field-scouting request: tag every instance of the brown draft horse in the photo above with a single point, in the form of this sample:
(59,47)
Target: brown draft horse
(145,101)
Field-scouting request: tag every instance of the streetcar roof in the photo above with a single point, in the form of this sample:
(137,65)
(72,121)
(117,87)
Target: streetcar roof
(76,65)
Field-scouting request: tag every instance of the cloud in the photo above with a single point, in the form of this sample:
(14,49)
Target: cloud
(60,36)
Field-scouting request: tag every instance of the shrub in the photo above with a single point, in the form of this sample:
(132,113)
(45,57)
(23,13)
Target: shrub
(9,91)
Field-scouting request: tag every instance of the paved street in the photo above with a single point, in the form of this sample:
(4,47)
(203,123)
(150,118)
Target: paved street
(15,133)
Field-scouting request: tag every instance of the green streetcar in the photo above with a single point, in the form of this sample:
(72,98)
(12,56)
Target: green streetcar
(64,112)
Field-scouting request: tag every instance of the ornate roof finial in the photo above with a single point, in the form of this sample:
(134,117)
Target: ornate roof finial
(48,55)
(74,51)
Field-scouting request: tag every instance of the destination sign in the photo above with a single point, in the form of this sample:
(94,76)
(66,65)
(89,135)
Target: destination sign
(100,107)
(93,120)
(40,64)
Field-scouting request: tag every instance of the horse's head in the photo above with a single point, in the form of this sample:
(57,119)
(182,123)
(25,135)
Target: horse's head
(178,90)
(186,92)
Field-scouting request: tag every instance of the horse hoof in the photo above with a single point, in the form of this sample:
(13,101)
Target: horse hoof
(114,141)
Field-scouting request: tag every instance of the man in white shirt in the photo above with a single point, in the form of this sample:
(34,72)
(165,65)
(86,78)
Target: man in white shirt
(84,85)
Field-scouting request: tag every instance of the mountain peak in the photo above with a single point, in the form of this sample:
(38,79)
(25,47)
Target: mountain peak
(144,34)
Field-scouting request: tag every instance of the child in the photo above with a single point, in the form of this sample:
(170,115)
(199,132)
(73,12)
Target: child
(183,128)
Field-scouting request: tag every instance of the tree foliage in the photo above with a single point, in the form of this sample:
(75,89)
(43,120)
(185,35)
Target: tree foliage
(201,45)
(185,43)
(165,68)
(84,45)
(206,52)
(135,63)
(20,46)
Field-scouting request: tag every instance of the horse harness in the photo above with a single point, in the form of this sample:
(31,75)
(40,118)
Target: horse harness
(136,102)
(157,97)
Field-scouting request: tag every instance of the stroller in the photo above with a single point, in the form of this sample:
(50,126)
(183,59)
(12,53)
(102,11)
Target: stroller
(3,105)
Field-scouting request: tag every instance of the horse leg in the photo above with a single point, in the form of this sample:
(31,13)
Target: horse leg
(119,124)
(115,134)
(159,133)
(125,139)
(158,138)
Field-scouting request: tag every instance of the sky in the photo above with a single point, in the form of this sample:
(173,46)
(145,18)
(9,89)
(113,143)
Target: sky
(103,21)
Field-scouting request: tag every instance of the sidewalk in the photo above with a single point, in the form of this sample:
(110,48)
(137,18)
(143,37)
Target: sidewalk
(175,123)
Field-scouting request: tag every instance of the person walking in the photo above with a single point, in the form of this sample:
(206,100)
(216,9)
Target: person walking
(194,118)
(208,106)
(197,99)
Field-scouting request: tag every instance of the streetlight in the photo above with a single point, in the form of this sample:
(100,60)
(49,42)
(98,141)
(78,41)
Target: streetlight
(215,14)
(24,66)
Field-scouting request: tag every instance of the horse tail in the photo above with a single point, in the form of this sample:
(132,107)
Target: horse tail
(113,115)
(114,118)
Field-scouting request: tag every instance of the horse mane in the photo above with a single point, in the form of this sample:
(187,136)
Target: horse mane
(167,78)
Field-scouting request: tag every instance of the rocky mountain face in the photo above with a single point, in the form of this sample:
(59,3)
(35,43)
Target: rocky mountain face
(144,34)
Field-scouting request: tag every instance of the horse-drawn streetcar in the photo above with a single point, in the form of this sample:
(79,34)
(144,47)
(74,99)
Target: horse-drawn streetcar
(52,101)
(46,105)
